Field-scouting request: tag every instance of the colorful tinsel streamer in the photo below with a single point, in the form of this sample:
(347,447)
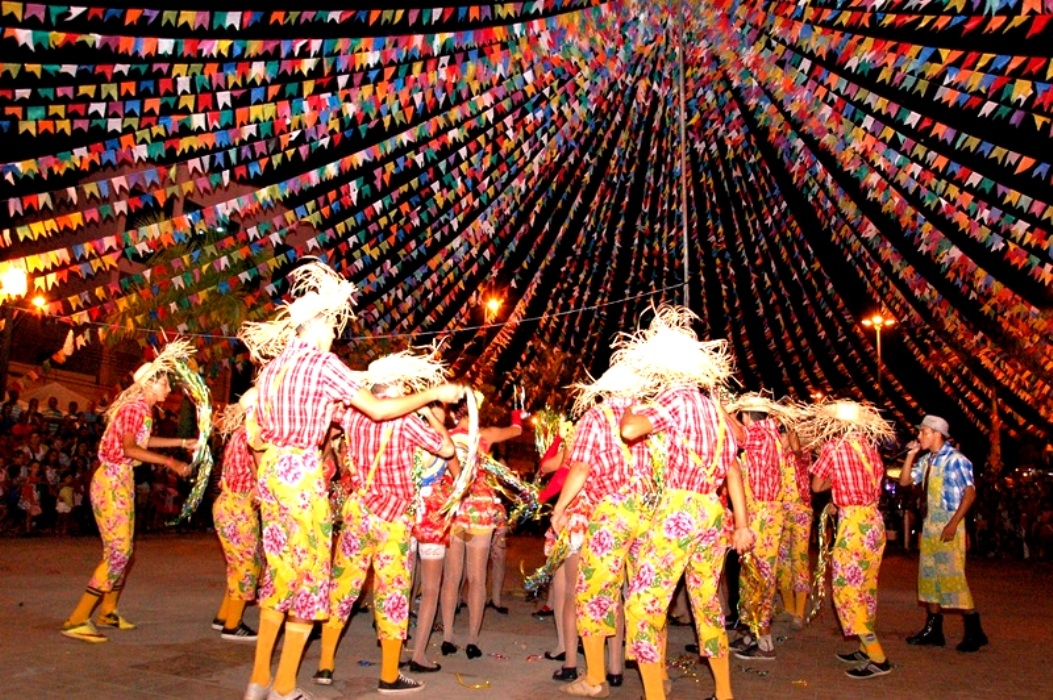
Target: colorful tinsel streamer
(752,606)
(827,532)
(560,550)
(201,463)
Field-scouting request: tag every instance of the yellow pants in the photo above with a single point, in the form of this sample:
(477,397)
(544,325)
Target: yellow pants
(616,523)
(238,528)
(794,569)
(757,600)
(687,536)
(113,503)
(855,564)
(366,539)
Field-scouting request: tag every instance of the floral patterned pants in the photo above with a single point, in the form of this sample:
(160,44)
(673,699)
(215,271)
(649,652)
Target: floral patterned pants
(941,565)
(687,534)
(793,571)
(238,528)
(616,524)
(855,563)
(113,503)
(757,600)
(297,533)
(367,539)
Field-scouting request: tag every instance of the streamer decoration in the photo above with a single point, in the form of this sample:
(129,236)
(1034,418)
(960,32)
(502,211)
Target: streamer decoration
(201,461)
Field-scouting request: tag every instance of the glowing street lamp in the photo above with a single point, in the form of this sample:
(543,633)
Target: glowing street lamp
(493,305)
(14,283)
(877,322)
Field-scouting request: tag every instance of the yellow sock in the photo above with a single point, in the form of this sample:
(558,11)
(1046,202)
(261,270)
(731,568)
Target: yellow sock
(109,601)
(390,649)
(721,669)
(84,608)
(296,634)
(235,609)
(787,599)
(270,625)
(872,648)
(652,681)
(662,646)
(595,659)
(800,601)
(330,637)
(223,607)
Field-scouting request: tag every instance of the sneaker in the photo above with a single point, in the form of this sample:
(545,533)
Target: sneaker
(217,624)
(742,643)
(114,619)
(755,653)
(85,632)
(856,657)
(255,691)
(323,676)
(242,633)
(545,612)
(399,685)
(294,694)
(869,670)
(582,688)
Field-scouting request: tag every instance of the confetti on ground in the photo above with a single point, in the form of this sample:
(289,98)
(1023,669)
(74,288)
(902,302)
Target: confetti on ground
(364,662)
(802,683)
(473,686)
(497,655)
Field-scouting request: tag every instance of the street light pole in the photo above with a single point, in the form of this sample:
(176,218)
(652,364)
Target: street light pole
(877,322)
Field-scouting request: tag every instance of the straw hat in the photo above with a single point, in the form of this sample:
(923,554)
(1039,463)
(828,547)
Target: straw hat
(409,370)
(786,411)
(619,380)
(833,419)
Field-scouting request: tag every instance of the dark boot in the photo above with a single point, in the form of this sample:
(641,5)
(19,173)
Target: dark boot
(974,633)
(931,635)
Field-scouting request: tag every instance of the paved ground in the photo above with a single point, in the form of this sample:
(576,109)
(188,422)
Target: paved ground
(177,584)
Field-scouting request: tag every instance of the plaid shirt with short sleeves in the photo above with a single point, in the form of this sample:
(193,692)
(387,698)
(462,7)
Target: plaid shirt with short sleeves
(135,418)
(392,491)
(298,393)
(957,474)
(854,468)
(598,443)
(239,469)
(763,460)
(687,417)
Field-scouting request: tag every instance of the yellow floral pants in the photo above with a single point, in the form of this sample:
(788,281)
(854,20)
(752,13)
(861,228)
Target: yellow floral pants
(113,503)
(616,524)
(687,536)
(238,528)
(855,563)
(366,539)
(757,598)
(297,533)
(793,571)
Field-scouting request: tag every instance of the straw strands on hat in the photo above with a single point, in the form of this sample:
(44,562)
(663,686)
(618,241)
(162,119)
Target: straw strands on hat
(620,379)
(835,419)
(786,411)
(668,353)
(317,291)
(410,370)
(229,420)
(172,354)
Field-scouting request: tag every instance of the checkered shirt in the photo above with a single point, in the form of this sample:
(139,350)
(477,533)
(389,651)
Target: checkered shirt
(689,418)
(797,483)
(613,465)
(239,469)
(763,460)
(392,491)
(957,474)
(854,469)
(298,392)
(135,418)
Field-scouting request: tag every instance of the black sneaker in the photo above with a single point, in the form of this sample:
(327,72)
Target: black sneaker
(217,624)
(755,653)
(869,670)
(742,643)
(399,685)
(323,676)
(242,633)
(856,657)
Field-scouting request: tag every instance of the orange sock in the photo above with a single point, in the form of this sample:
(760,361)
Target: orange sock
(721,669)
(872,648)
(390,649)
(222,614)
(330,638)
(270,625)
(787,599)
(653,683)
(296,634)
(109,601)
(235,609)
(800,600)
(595,659)
(84,608)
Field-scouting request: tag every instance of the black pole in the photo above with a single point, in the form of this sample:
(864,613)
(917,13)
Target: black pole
(5,347)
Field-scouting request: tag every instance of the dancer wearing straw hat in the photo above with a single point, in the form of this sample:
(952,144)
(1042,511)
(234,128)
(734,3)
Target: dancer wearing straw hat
(237,520)
(850,466)
(689,531)
(619,480)
(299,392)
(793,571)
(378,514)
(125,443)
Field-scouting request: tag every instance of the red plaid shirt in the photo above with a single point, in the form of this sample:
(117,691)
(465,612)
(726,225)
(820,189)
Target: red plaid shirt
(689,418)
(796,480)
(298,392)
(392,491)
(239,469)
(135,418)
(613,465)
(763,460)
(854,468)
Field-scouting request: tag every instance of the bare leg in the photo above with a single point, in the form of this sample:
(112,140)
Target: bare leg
(478,555)
(451,583)
(556,596)
(498,550)
(430,580)
(570,626)
(616,644)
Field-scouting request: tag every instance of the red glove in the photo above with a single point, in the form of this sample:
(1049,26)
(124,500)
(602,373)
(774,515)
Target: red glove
(518,416)
(552,449)
(555,485)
